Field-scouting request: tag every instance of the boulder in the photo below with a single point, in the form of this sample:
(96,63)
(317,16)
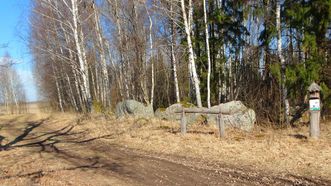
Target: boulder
(240,116)
(160,113)
(133,108)
(170,115)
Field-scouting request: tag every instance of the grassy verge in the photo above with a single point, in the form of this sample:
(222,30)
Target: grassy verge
(281,151)
(273,151)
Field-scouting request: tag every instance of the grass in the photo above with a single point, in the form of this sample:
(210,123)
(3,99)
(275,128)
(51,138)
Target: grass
(273,151)
(276,151)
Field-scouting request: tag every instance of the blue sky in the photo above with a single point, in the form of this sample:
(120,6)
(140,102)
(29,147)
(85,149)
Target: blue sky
(14,26)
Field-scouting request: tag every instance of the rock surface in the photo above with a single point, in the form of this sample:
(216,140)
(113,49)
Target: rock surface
(133,108)
(240,116)
(169,113)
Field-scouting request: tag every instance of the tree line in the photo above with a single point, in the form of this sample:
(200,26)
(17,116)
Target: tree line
(262,52)
(12,93)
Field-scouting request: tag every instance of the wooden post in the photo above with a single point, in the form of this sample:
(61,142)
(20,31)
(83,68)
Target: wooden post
(315,110)
(314,127)
(183,123)
(220,125)
(220,122)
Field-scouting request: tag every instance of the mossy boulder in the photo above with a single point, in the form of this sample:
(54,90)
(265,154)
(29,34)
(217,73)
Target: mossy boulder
(240,116)
(134,108)
(171,115)
(160,113)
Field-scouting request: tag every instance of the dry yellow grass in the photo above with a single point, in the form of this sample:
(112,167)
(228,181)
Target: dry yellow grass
(281,151)
(274,152)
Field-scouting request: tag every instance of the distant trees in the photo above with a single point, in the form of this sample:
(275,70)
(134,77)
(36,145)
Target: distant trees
(159,52)
(12,95)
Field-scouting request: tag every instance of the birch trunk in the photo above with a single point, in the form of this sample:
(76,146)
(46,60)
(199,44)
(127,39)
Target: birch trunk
(174,64)
(282,62)
(173,56)
(58,91)
(231,77)
(78,89)
(192,67)
(105,80)
(221,52)
(71,92)
(123,70)
(94,82)
(151,55)
(208,52)
(12,89)
(79,42)
(74,72)
(118,79)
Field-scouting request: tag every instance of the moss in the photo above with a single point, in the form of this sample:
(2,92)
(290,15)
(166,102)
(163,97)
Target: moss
(187,104)
(164,127)
(161,109)
(98,107)
(140,122)
(202,120)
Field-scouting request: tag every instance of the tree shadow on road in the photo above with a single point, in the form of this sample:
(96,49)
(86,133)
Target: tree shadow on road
(49,141)
(28,129)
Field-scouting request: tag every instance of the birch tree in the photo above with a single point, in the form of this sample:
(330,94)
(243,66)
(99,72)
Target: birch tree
(12,95)
(192,67)
(151,55)
(208,52)
(172,50)
(105,80)
(282,62)
(79,42)
(112,50)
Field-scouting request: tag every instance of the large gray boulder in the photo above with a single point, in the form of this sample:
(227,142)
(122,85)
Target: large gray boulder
(240,116)
(133,108)
(170,115)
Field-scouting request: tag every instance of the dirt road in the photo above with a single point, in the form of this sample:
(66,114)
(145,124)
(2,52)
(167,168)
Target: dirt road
(45,151)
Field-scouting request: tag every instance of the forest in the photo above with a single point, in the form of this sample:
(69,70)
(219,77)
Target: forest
(264,53)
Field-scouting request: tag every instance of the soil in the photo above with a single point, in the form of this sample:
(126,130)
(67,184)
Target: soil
(43,151)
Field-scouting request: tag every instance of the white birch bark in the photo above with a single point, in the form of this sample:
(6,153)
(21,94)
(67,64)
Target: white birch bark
(282,62)
(208,52)
(58,91)
(221,52)
(174,64)
(151,55)
(78,89)
(79,42)
(230,79)
(123,70)
(105,79)
(73,100)
(192,66)
(173,56)
(74,72)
